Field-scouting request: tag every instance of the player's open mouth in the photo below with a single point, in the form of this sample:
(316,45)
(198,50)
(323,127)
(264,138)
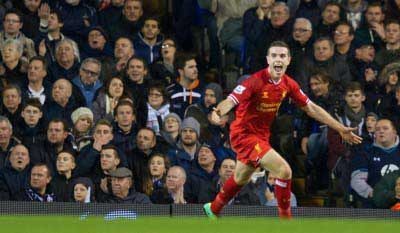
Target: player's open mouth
(278,68)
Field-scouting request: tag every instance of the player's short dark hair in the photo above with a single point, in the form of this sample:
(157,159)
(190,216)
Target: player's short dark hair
(279,43)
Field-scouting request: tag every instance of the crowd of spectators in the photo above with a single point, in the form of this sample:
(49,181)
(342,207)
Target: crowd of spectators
(110,100)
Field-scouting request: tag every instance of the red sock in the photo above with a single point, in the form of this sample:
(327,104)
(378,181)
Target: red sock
(282,193)
(229,190)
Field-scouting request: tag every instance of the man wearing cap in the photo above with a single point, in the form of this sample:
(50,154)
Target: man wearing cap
(122,191)
(187,146)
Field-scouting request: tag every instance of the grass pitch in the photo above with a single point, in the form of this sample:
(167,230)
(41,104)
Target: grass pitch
(64,224)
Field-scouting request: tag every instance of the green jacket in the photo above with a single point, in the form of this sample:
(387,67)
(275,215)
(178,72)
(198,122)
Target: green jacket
(384,193)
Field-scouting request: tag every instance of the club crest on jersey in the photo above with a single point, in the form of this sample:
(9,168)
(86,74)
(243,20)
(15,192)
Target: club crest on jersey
(239,89)
(284,94)
(265,95)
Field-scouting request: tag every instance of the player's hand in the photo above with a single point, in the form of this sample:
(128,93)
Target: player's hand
(216,116)
(350,137)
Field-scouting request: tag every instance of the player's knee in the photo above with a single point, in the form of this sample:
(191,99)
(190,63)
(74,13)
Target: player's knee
(285,172)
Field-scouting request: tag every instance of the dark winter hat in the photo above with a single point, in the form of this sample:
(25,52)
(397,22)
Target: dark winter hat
(217,90)
(121,172)
(101,30)
(191,123)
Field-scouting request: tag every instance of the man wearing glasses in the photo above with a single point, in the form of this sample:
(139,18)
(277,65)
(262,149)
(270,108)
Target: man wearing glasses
(88,80)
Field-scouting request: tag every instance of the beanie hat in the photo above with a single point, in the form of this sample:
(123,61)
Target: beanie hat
(99,29)
(191,123)
(174,115)
(372,114)
(80,112)
(217,90)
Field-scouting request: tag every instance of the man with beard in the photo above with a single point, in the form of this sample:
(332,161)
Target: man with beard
(148,41)
(257,101)
(188,145)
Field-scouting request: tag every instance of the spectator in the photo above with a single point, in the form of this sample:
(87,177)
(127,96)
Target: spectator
(136,79)
(56,141)
(78,17)
(279,28)
(108,97)
(176,178)
(13,23)
(388,81)
(373,29)
(125,128)
(83,190)
(375,161)
(138,159)
(82,118)
(63,103)
(15,175)
(256,23)
(171,129)
(324,59)
(183,155)
(156,184)
(148,41)
(391,51)
(130,22)
(123,50)
(109,161)
(365,71)
(352,114)
(38,85)
(67,61)
(331,15)
(13,69)
(268,196)
(392,9)
(37,190)
(6,140)
(88,80)
(387,191)
(188,90)
(246,196)
(122,191)
(50,34)
(88,162)
(60,184)
(12,103)
(157,105)
(32,128)
(301,44)
(110,16)
(355,12)
(30,19)
(343,38)
(163,70)
(309,9)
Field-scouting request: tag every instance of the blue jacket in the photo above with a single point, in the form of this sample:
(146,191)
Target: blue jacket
(88,91)
(147,52)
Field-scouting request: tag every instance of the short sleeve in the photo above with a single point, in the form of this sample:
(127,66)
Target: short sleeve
(243,91)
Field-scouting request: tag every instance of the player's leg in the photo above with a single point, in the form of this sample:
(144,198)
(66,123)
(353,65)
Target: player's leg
(232,186)
(273,162)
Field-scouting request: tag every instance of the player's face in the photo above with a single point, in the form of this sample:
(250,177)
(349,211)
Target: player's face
(278,59)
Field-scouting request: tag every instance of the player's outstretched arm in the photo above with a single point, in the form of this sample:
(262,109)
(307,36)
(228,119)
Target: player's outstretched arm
(323,116)
(223,108)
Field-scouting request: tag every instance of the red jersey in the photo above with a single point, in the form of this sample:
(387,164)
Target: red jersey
(258,99)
